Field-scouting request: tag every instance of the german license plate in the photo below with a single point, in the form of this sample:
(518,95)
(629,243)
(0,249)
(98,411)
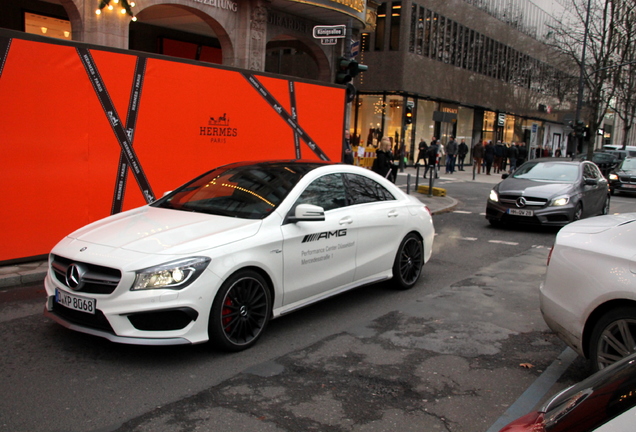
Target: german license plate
(519,212)
(72,301)
(629,186)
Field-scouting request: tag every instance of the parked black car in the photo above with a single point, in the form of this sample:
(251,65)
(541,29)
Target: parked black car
(605,160)
(623,178)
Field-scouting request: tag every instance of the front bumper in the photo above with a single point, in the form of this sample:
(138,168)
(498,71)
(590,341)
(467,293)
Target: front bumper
(547,215)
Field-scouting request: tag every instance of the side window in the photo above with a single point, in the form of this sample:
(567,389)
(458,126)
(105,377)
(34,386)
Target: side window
(327,192)
(364,190)
(591,171)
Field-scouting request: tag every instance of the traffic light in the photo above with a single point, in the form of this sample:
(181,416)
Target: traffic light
(347,69)
(408,113)
(579,129)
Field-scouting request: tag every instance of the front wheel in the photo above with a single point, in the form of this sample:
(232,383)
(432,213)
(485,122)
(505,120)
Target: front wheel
(613,337)
(408,261)
(241,311)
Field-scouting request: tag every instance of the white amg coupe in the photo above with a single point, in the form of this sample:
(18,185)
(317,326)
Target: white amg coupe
(220,256)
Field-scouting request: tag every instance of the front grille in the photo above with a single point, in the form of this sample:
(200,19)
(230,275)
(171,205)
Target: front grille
(95,279)
(95,321)
(163,320)
(531,202)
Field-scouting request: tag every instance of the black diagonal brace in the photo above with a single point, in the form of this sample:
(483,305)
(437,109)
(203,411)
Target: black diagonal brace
(271,100)
(115,123)
(5,44)
(294,114)
(131,123)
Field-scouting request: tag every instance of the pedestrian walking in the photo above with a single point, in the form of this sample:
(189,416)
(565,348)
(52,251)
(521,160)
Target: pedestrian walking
(383,159)
(451,154)
(421,151)
(512,155)
(499,154)
(478,156)
(432,158)
(462,151)
(347,156)
(523,154)
(489,156)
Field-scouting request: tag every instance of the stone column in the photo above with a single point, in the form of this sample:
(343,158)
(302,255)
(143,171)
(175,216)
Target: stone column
(251,39)
(110,28)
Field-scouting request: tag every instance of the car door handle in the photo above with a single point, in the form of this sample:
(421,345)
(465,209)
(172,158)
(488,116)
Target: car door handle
(346,220)
(393,213)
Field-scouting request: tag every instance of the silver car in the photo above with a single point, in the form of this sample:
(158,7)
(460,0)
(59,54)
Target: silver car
(549,191)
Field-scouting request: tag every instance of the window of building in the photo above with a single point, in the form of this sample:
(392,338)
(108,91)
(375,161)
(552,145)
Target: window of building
(47,26)
(424,124)
(396,15)
(380,27)
(369,119)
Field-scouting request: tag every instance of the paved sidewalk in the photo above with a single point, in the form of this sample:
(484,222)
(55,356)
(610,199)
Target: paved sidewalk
(32,272)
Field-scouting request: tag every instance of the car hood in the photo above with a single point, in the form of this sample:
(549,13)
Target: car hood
(533,188)
(598,224)
(164,231)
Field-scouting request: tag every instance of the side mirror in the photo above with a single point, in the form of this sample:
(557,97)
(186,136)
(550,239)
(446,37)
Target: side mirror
(591,181)
(307,213)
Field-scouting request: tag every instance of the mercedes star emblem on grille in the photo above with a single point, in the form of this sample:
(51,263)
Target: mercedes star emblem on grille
(74,275)
(521,202)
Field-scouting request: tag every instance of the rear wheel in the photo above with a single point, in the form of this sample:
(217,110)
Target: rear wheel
(613,337)
(241,311)
(408,261)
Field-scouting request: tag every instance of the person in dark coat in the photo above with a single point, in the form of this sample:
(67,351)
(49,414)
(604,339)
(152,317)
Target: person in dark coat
(383,159)
(489,156)
(347,156)
(421,151)
(523,153)
(462,151)
(432,157)
(478,156)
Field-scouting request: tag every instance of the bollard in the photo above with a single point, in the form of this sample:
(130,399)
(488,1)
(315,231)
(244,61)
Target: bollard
(431,179)
(417,176)
(408,184)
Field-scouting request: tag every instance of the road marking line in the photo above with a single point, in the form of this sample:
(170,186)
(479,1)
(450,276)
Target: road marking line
(462,212)
(533,395)
(503,242)
(464,238)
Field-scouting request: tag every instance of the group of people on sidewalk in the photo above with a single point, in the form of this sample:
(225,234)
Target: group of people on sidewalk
(453,154)
(500,157)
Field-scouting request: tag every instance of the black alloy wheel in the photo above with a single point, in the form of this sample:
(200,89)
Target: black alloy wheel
(613,338)
(409,261)
(241,311)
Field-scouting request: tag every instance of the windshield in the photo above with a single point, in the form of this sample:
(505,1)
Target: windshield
(629,164)
(548,171)
(242,191)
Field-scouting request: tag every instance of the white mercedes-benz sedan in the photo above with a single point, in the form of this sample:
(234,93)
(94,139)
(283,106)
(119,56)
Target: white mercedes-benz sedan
(220,256)
(589,294)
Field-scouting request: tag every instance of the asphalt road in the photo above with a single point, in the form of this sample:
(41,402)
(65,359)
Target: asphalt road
(461,351)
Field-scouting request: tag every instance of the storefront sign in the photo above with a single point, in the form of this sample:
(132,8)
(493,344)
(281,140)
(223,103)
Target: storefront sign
(288,22)
(221,4)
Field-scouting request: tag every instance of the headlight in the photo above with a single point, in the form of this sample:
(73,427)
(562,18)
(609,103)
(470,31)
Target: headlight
(494,197)
(613,176)
(560,201)
(172,275)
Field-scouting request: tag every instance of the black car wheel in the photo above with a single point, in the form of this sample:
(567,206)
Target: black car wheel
(613,337)
(408,261)
(241,311)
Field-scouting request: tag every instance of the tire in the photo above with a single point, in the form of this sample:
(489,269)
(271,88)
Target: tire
(606,206)
(578,212)
(613,337)
(409,260)
(240,311)
(495,223)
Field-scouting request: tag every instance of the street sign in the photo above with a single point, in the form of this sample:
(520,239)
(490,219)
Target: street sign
(335,31)
(328,41)
(355,49)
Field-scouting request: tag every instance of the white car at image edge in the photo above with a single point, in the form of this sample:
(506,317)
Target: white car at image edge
(220,256)
(589,294)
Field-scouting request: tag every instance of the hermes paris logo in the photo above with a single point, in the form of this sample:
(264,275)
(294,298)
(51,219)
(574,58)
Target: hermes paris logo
(218,129)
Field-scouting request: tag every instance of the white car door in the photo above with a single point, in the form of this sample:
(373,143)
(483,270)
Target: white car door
(319,257)
(381,221)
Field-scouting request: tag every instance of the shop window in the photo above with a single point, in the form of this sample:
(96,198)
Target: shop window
(47,26)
